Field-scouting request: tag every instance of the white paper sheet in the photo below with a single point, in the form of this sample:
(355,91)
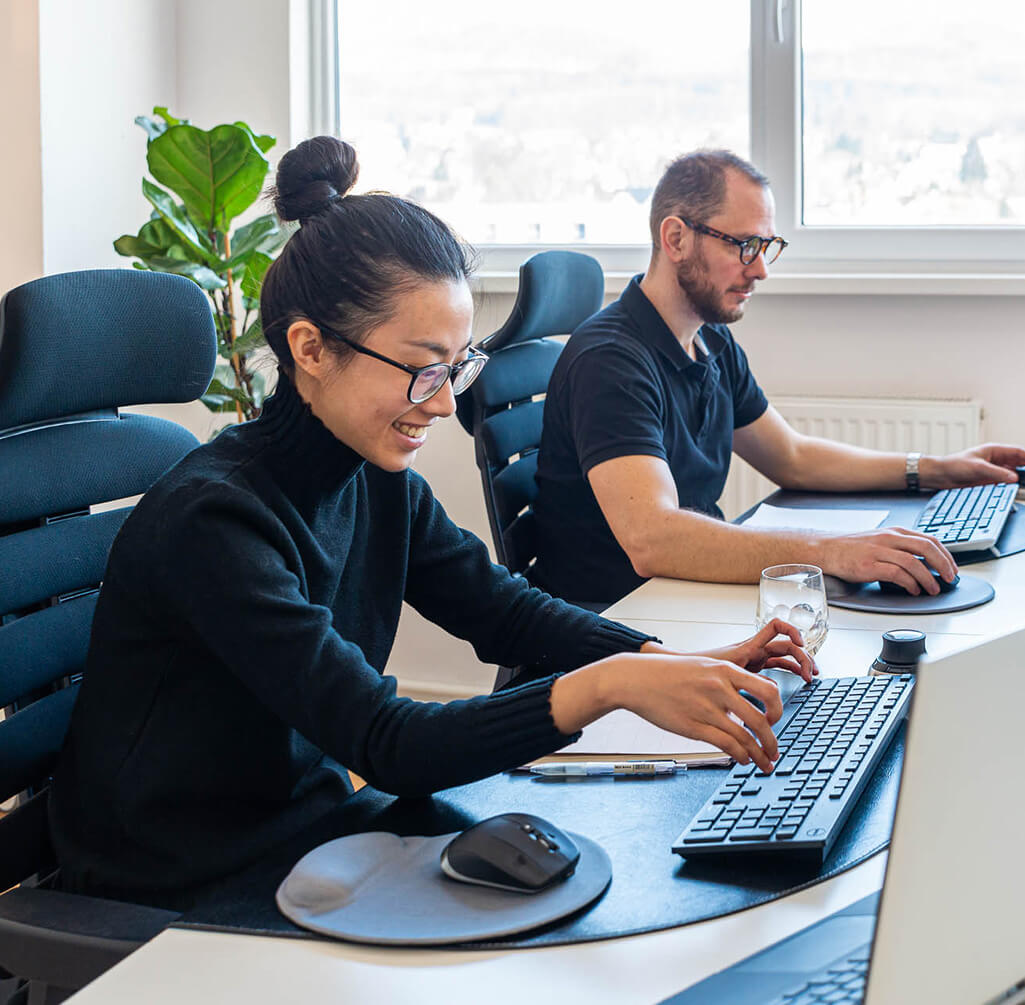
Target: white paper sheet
(837,521)
(628,735)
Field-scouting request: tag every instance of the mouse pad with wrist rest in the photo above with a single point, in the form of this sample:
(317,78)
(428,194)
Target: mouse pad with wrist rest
(971,591)
(387,890)
(634,820)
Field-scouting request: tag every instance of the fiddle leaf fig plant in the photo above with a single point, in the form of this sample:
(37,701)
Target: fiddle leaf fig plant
(207,178)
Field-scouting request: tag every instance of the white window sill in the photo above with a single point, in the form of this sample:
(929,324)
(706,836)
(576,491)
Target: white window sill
(963,284)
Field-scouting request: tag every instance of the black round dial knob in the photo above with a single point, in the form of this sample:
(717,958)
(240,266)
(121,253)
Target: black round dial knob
(902,646)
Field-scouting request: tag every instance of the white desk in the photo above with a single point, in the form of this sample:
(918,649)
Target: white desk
(201,967)
(673,600)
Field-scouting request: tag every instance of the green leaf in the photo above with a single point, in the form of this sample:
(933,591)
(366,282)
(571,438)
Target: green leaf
(131,246)
(219,398)
(169,119)
(263,141)
(252,281)
(217,173)
(221,394)
(251,339)
(249,238)
(200,274)
(173,216)
(155,238)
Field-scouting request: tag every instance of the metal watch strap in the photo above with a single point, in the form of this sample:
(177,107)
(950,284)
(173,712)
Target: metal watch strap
(911,470)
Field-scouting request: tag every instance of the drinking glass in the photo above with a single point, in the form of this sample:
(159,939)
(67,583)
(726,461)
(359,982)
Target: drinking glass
(796,594)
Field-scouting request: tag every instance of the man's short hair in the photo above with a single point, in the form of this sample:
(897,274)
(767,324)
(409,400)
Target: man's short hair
(694,186)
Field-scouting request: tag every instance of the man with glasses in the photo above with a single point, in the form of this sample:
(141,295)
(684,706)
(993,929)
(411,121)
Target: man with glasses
(651,396)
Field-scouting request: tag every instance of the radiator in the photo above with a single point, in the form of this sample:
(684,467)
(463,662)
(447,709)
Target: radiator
(931,426)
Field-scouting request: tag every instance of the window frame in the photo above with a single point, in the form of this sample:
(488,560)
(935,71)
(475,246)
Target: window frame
(776,147)
(819,259)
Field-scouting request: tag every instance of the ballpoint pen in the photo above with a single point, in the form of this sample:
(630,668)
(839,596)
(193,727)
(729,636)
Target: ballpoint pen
(647,769)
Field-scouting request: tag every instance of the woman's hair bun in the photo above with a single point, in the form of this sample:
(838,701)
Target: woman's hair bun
(312,175)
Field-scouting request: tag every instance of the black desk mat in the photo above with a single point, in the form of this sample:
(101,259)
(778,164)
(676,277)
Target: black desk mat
(903,508)
(634,820)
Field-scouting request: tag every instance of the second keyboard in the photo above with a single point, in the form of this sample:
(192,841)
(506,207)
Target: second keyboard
(969,518)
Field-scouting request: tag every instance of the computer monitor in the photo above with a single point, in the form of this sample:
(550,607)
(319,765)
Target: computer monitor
(950,916)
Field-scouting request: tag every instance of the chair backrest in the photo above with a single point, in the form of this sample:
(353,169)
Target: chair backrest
(503,408)
(73,349)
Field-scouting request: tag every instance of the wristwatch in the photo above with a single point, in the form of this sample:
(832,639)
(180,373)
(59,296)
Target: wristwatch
(911,470)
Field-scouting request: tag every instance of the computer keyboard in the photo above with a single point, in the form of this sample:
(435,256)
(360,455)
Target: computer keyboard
(842,983)
(833,733)
(969,518)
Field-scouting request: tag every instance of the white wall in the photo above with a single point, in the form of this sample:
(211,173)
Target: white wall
(21,246)
(913,346)
(104,62)
(233,63)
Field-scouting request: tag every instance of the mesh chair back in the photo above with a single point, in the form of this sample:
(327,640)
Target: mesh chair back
(503,408)
(73,348)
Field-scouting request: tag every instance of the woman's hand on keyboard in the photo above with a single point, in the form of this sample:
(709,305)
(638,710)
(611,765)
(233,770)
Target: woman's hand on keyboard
(777,645)
(695,696)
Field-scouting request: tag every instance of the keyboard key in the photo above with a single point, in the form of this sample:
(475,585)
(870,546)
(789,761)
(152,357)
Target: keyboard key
(751,833)
(707,837)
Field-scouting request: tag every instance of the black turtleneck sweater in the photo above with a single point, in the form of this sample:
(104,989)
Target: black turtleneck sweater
(247,613)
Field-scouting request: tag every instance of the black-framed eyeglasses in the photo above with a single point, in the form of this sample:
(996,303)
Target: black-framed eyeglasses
(750,247)
(426,381)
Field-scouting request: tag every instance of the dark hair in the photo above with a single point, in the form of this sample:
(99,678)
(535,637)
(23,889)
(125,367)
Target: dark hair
(694,186)
(352,255)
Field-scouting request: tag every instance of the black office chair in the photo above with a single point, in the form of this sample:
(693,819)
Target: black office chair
(502,409)
(73,348)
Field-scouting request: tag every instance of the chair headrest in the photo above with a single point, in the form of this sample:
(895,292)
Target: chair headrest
(81,341)
(558,290)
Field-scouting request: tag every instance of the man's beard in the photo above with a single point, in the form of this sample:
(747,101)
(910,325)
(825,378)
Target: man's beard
(704,298)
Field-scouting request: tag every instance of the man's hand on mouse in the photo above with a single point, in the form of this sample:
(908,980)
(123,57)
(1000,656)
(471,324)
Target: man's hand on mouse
(891,554)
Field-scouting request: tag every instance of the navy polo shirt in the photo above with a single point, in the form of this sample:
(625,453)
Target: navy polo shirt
(624,386)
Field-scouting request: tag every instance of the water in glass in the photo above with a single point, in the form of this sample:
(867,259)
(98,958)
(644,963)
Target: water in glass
(796,594)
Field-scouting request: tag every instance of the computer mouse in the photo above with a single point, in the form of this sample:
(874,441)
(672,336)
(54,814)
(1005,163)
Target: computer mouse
(898,590)
(512,851)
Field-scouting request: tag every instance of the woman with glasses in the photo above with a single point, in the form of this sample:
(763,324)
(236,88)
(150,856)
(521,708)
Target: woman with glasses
(237,664)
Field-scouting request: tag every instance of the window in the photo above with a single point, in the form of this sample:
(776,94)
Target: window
(920,125)
(894,140)
(548,126)
(892,133)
